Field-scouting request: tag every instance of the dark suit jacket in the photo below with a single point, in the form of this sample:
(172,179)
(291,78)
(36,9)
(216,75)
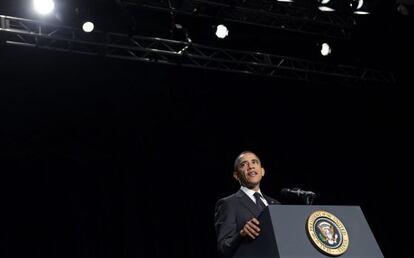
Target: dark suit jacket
(231,214)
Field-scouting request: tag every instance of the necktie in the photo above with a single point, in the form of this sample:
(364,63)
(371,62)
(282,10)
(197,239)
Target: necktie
(260,204)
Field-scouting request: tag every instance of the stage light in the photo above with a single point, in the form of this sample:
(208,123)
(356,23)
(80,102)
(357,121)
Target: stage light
(222,31)
(325,49)
(88,26)
(285,1)
(325,6)
(359,7)
(403,9)
(43,7)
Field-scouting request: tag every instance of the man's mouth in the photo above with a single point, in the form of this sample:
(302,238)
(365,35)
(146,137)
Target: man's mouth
(252,173)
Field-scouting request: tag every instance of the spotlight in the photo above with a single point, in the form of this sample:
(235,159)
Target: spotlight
(88,26)
(340,6)
(359,7)
(43,7)
(325,49)
(324,6)
(403,9)
(222,31)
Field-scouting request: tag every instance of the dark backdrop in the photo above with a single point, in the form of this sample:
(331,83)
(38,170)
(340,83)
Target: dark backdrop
(109,158)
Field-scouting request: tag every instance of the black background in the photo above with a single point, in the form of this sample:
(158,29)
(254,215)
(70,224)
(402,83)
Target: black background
(112,158)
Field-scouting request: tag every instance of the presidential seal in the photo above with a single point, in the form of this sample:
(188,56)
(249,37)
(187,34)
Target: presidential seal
(327,233)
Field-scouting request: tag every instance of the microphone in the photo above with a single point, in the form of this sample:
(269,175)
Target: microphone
(297,192)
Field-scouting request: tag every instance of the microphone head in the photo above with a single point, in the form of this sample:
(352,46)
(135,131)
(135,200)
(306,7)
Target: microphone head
(284,191)
(288,191)
(298,193)
(311,193)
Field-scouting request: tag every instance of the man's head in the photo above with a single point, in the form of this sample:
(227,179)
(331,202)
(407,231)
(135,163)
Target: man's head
(248,170)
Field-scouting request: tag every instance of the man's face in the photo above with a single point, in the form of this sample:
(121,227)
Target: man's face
(249,171)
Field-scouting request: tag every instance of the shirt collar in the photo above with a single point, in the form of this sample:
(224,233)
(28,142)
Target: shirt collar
(250,192)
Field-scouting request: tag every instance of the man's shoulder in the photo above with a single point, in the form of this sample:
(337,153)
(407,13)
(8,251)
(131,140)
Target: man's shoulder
(271,200)
(230,197)
(228,203)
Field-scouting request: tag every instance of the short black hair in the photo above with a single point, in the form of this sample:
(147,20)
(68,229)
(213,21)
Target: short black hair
(237,160)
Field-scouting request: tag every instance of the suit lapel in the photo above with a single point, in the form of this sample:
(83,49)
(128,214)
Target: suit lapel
(248,203)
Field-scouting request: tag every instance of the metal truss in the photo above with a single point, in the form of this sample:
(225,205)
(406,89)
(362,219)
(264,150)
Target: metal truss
(29,33)
(265,13)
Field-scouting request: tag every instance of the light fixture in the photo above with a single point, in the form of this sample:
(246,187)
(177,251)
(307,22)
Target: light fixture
(334,5)
(325,6)
(325,49)
(88,26)
(403,9)
(44,7)
(359,7)
(222,31)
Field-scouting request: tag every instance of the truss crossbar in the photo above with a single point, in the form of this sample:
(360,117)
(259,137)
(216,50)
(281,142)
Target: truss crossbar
(264,13)
(30,33)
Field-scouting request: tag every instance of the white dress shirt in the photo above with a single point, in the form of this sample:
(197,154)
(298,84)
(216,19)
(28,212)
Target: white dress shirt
(250,193)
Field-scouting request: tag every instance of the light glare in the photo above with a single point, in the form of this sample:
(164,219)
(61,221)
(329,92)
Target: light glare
(88,26)
(222,31)
(361,12)
(326,49)
(43,7)
(326,9)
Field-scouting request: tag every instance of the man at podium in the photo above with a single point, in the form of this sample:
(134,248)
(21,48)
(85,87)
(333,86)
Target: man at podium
(236,215)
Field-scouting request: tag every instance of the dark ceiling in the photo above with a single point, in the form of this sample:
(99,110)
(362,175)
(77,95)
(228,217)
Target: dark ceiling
(377,40)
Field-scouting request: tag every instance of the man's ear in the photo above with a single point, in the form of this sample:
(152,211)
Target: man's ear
(263,172)
(236,175)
